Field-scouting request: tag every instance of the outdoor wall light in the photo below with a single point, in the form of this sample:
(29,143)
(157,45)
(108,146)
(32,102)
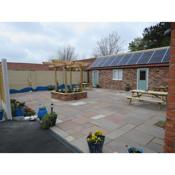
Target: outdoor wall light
(52,108)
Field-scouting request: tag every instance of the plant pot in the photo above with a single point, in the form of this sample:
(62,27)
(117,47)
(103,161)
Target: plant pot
(53,122)
(96,147)
(135,150)
(1,114)
(19,111)
(42,112)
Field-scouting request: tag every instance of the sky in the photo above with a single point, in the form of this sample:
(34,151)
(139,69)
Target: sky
(37,42)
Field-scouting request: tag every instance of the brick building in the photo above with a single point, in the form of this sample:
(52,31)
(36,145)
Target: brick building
(144,69)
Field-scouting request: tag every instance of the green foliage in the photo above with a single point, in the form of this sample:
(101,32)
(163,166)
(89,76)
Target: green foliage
(48,120)
(53,118)
(152,37)
(16,104)
(45,122)
(51,87)
(95,138)
(29,111)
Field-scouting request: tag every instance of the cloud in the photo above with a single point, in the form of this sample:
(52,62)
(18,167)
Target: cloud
(36,42)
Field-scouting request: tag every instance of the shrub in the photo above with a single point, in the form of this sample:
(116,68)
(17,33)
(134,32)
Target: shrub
(51,87)
(48,120)
(53,118)
(45,122)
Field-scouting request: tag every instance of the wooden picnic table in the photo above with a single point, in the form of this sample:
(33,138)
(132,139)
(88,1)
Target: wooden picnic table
(158,94)
(161,88)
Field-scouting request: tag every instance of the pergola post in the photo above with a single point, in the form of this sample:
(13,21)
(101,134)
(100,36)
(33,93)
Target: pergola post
(81,79)
(71,77)
(65,78)
(56,80)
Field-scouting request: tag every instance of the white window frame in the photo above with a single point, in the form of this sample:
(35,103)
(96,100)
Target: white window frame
(117,74)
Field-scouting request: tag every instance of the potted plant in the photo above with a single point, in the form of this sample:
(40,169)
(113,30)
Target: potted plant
(29,111)
(19,108)
(42,111)
(53,118)
(48,120)
(95,142)
(45,122)
(1,114)
(135,150)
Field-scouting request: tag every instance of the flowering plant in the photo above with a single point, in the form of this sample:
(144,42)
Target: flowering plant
(95,138)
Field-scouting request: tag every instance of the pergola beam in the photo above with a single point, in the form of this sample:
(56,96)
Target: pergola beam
(69,66)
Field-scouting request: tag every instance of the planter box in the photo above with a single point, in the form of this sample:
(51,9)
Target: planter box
(68,96)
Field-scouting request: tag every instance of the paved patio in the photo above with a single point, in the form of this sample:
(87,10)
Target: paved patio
(106,110)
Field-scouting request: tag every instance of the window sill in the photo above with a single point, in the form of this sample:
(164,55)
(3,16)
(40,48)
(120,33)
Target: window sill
(116,80)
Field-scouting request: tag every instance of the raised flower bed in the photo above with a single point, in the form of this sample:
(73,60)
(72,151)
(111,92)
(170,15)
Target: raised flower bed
(69,95)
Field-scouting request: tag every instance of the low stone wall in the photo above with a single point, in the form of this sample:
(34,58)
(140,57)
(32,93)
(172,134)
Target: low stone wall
(68,96)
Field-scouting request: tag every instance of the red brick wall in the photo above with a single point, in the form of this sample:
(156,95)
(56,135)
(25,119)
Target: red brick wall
(106,81)
(157,76)
(170,123)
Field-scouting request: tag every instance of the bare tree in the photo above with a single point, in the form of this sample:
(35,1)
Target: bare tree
(108,45)
(67,53)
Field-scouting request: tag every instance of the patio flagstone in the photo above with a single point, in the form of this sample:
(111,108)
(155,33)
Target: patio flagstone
(78,103)
(106,124)
(138,137)
(98,117)
(121,123)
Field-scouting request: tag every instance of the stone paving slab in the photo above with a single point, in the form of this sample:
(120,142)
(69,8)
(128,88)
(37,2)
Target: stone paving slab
(106,110)
(106,124)
(151,130)
(96,117)
(139,137)
(155,147)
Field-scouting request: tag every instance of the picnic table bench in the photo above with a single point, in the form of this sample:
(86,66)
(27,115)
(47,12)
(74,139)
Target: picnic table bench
(157,97)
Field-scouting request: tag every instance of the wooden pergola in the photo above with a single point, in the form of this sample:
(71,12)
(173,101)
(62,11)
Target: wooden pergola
(68,66)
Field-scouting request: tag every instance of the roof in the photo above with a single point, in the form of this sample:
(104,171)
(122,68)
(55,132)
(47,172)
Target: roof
(149,57)
(27,66)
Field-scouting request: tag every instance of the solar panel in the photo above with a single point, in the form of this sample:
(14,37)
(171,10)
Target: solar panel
(113,58)
(157,56)
(108,61)
(161,55)
(145,57)
(117,60)
(167,56)
(100,61)
(135,58)
(125,59)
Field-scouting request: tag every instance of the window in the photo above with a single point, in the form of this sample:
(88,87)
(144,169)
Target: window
(117,74)
(142,75)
